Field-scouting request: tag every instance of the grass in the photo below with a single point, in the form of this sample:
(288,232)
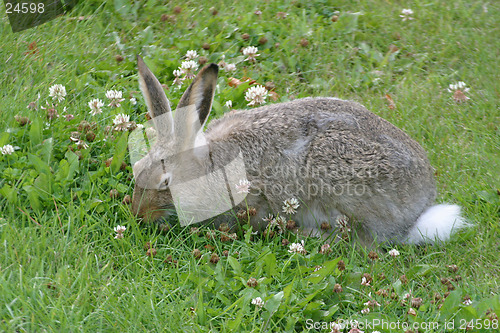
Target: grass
(61,269)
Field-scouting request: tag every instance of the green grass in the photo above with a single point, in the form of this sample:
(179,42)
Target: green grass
(61,268)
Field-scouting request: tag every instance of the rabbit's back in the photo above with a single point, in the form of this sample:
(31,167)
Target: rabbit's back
(334,156)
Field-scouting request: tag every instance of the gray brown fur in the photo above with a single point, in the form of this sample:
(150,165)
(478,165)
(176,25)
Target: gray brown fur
(332,143)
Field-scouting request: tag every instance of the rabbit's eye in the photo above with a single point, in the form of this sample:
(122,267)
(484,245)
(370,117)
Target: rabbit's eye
(164,181)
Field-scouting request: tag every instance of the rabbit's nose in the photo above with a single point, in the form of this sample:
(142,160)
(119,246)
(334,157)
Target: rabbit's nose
(150,213)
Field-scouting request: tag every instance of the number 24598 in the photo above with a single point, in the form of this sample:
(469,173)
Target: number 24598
(24,8)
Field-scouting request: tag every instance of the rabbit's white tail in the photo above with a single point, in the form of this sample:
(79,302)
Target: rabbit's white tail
(436,223)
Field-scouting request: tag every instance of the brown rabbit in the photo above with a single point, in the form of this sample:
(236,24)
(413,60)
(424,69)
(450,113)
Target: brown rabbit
(333,156)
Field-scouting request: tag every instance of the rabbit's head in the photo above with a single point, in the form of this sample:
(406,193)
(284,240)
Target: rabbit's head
(179,151)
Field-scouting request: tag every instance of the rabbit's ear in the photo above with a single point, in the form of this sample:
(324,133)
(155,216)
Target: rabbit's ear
(201,92)
(194,106)
(156,100)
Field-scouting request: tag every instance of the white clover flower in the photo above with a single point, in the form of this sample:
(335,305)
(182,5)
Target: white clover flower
(81,144)
(394,253)
(121,122)
(133,101)
(364,281)
(7,150)
(111,94)
(177,72)
(268,218)
(75,137)
(178,77)
(412,312)
(189,67)
(222,63)
(230,67)
(115,97)
(95,106)
(258,302)
(460,85)
(178,81)
(57,91)
(229,104)
(279,222)
(297,248)
(372,304)
(336,328)
(365,311)
(290,206)
(406,14)
(32,105)
(121,118)
(243,186)
(343,224)
(119,229)
(459,89)
(191,54)
(325,249)
(256,95)
(251,52)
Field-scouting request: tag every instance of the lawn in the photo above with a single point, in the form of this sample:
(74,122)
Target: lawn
(66,183)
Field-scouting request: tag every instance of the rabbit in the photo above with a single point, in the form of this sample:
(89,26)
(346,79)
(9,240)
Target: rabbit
(333,156)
